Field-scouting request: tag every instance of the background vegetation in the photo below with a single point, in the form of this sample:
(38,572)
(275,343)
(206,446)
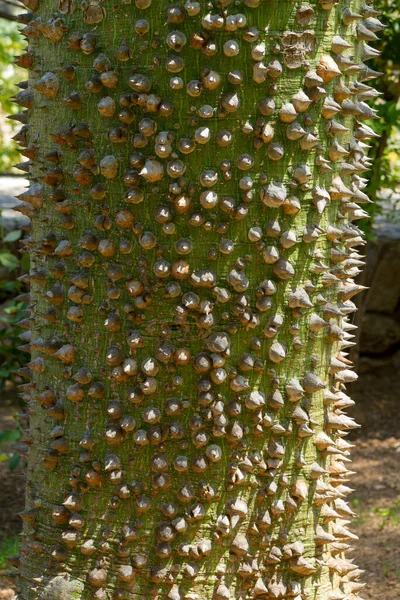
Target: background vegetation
(384,177)
(11,45)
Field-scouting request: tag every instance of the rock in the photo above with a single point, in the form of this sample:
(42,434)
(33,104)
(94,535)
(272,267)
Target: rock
(395,359)
(366,364)
(379,333)
(383,266)
(9,187)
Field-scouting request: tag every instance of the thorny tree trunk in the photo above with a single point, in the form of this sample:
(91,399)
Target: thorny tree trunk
(195,171)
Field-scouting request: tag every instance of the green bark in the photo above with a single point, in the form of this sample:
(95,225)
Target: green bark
(195,169)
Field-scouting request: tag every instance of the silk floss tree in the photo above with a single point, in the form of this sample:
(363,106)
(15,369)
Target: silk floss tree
(196,169)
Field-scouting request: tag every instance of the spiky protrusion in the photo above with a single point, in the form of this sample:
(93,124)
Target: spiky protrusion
(194,178)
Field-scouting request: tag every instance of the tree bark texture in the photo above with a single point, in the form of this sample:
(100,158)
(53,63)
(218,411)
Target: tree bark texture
(195,170)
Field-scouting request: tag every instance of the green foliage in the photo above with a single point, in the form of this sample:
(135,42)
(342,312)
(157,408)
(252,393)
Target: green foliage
(387,516)
(12,310)
(388,38)
(359,509)
(10,357)
(8,547)
(13,236)
(385,150)
(390,515)
(11,45)
(10,436)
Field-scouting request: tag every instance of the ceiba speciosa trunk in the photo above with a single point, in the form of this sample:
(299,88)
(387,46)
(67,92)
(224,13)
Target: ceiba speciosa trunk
(195,172)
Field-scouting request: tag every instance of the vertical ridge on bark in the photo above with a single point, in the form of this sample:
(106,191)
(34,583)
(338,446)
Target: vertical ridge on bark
(196,169)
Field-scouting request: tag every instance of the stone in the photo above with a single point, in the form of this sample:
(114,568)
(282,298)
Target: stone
(10,187)
(383,268)
(379,333)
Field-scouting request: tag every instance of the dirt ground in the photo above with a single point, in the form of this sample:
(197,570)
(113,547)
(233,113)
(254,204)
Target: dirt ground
(376,483)
(376,500)
(12,486)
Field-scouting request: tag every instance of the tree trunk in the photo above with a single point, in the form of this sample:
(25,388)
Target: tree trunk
(195,171)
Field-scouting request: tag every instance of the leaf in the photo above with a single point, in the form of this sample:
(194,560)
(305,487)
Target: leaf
(25,261)
(13,236)
(11,310)
(14,461)
(392,113)
(10,435)
(8,260)
(11,286)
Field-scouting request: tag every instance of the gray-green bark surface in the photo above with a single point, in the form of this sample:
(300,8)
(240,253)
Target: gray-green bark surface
(195,171)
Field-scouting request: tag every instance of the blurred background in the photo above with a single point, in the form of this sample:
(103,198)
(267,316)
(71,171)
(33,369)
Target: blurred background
(376,496)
